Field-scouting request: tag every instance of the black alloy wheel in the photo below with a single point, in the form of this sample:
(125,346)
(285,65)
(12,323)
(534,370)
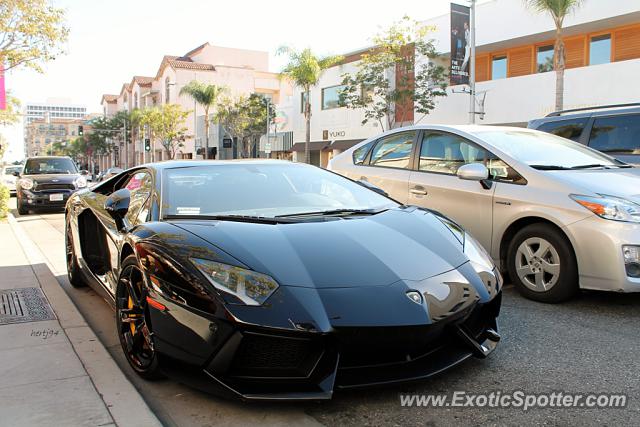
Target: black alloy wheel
(132,321)
(73,272)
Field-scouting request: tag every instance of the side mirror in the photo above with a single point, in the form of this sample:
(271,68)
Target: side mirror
(84,172)
(117,205)
(473,172)
(16,173)
(372,187)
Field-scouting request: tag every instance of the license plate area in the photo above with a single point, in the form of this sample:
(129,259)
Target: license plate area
(56,197)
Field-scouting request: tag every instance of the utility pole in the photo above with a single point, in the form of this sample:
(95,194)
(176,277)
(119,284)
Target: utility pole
(472,63)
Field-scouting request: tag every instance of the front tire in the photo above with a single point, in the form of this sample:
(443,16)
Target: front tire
(542,264)
(132,321)
(73,271)
(21,209)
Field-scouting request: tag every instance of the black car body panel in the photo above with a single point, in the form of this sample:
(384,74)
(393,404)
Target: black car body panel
(340,318)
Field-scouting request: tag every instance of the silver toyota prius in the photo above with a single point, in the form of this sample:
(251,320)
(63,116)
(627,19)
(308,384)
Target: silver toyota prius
(554,214)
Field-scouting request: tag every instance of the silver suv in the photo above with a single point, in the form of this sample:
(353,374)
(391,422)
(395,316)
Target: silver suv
(553,213)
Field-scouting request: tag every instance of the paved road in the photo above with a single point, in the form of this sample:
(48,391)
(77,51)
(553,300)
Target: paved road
(589,345)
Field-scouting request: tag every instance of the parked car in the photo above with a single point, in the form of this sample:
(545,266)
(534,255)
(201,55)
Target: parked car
(276,280)
(9,173)
(612,129)
(46,183)
(555,214)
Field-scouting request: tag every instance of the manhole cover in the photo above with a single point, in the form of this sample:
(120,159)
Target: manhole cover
(24,305)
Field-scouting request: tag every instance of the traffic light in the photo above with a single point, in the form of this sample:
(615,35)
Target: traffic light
(80,131)
(147,144)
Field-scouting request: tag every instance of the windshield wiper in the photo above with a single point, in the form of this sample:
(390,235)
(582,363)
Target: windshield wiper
(550,167)
(335,212)
(237,218)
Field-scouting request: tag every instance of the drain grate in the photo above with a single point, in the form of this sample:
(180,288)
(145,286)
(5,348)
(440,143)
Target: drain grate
(24,305)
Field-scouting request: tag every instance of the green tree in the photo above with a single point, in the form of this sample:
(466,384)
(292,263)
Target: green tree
(388,83)
(208,96)
(233,117)
(257,107)
(558,9)
(304,71)
(166,124)
(11,114)
(31,33)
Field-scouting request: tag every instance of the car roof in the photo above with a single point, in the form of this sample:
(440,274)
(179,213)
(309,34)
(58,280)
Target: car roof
(47,157)
(588,112)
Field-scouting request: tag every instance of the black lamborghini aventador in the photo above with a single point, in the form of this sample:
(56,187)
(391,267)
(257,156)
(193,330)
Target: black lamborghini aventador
(275,280)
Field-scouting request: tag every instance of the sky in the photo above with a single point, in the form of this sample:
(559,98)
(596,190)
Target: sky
(112,40)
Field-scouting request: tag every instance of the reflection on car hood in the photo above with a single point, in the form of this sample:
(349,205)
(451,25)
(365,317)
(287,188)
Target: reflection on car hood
(399,244)
(623,183)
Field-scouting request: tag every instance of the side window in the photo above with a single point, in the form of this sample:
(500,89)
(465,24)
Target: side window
(361,153)
(570,129)
(393,151)
(140,185)
(616,133)
(445,153)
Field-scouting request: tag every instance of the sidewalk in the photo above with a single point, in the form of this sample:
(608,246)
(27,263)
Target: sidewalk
(53,369)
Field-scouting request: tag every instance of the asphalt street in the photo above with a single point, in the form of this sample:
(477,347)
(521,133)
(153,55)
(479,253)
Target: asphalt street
(588,345)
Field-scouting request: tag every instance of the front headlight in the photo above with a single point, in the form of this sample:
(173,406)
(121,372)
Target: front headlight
(609,207)
(26,183)
(476,253)
(249,287)
(81,182)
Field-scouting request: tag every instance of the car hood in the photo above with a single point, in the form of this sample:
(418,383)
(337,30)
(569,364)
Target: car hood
(53,179)
(377,250)
(623,183)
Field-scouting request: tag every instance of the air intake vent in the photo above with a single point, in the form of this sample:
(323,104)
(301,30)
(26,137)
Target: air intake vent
(24,305)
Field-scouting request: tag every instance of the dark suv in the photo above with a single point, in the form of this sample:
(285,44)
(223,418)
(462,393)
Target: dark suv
(47,183)
(612,129)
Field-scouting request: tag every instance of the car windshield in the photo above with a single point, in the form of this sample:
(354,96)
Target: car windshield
(38,166)
(263,190)
(12,170)
(545,151)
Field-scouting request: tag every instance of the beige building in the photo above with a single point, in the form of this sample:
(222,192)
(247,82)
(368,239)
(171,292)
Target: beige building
(242,71)
(40,135)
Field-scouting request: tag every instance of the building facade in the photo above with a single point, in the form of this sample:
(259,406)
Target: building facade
(41,135)
(242,72)
(514,72)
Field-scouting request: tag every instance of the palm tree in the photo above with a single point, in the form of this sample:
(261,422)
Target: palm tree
(304,70)
(207,96)
(558,9)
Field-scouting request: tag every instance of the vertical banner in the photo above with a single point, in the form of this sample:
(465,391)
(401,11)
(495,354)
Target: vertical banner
(460,44)
(3,94)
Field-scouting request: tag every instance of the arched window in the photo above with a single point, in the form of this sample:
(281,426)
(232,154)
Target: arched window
(135,100)
(167,91)
(126,101)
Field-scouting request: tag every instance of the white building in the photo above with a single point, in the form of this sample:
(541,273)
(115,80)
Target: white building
(513,45)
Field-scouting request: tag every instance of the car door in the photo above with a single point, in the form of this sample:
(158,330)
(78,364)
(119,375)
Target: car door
(140,186)
(434,184)
(388,164)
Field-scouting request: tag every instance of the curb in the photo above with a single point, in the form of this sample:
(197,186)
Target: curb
(122,399)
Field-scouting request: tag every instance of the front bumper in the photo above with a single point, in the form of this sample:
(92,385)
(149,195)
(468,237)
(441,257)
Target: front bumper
(43,199)
(266,363)
(598,245)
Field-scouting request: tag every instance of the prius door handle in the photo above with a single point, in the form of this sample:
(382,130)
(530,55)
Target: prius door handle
(418,191)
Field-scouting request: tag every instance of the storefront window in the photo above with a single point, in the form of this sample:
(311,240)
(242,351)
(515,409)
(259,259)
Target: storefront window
(499,67)
(600,49)
(545,58)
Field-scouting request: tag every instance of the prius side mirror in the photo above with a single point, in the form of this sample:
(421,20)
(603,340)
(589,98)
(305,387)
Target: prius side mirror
(117,206)
(16,173)
(473,172)
(372,187)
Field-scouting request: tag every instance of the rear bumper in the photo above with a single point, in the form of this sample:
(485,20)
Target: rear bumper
(268,364)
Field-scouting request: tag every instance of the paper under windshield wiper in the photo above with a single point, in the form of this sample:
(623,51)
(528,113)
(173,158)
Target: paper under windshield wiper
(335,212)
(550,167)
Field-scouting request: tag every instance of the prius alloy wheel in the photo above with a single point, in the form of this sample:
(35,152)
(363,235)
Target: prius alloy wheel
(132,322)
(542,264)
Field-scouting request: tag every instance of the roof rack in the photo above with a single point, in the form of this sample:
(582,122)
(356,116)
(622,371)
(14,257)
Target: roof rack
(600,107)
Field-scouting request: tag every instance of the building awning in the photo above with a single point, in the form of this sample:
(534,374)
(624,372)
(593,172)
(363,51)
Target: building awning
(327,145)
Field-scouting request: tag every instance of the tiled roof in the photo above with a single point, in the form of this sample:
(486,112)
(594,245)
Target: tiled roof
(196,50)
(183,62)
(109,98)
(142,80)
